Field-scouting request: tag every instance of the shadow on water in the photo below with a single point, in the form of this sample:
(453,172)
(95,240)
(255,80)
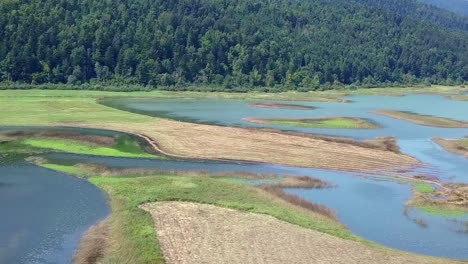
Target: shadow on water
(44,213)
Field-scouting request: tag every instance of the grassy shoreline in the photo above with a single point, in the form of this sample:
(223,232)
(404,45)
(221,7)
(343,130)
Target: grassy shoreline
(328,122)
(424,120)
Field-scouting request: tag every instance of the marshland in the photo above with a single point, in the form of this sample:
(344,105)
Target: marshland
(107,155)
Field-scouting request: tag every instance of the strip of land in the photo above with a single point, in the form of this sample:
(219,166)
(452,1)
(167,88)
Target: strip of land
(282,106)
(457,146)
(187,140)
(328,122)
(423,119)
(459,97)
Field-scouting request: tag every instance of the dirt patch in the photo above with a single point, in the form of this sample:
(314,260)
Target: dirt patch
(199,233)
(455,146)
(282,106)
(93,244)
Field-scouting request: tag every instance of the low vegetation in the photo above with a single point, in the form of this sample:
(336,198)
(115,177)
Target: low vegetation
(449,199)
(423,119)
(330,122)
(424,188)
(458,146)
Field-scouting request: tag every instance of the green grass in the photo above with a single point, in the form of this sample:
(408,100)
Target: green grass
(72,170)
(339,123)
(438,211)
(424,188)
(70,146)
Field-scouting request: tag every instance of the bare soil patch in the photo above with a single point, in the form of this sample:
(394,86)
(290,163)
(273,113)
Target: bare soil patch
(200,233)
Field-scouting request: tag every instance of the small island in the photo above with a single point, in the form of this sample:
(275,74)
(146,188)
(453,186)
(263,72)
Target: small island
(328,122)
(282,106)
(423,120)
(457,146)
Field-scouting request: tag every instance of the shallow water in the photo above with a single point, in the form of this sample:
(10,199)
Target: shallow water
(44,213)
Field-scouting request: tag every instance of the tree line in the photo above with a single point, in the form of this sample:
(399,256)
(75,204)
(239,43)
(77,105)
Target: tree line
(299,44)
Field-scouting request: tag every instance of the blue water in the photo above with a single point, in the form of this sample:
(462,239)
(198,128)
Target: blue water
(44,213)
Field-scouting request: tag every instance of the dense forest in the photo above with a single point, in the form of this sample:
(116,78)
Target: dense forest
(457,6)
(297,44)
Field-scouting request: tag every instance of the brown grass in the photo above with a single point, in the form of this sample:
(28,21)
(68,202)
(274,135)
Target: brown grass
(93,244)
(459,146)
(423,120)
(451,196)
(297,201)
(187,140)
(282,106)
(201,233)
(301,182)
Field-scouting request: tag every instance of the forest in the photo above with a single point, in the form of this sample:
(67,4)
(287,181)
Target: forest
(297,44)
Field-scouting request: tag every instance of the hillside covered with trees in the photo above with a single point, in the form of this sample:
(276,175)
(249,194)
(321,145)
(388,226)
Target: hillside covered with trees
(297,44)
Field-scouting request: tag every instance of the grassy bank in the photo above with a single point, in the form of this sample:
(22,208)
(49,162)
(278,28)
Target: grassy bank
(423,119)
(332,122)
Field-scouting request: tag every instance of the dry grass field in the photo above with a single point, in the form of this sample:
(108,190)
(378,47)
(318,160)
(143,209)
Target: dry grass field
(199,233)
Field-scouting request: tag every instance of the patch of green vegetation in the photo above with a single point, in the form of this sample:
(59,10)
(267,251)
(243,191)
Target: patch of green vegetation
(71,146)
(338,123)
(440,211)
(424,188)
(72,170)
